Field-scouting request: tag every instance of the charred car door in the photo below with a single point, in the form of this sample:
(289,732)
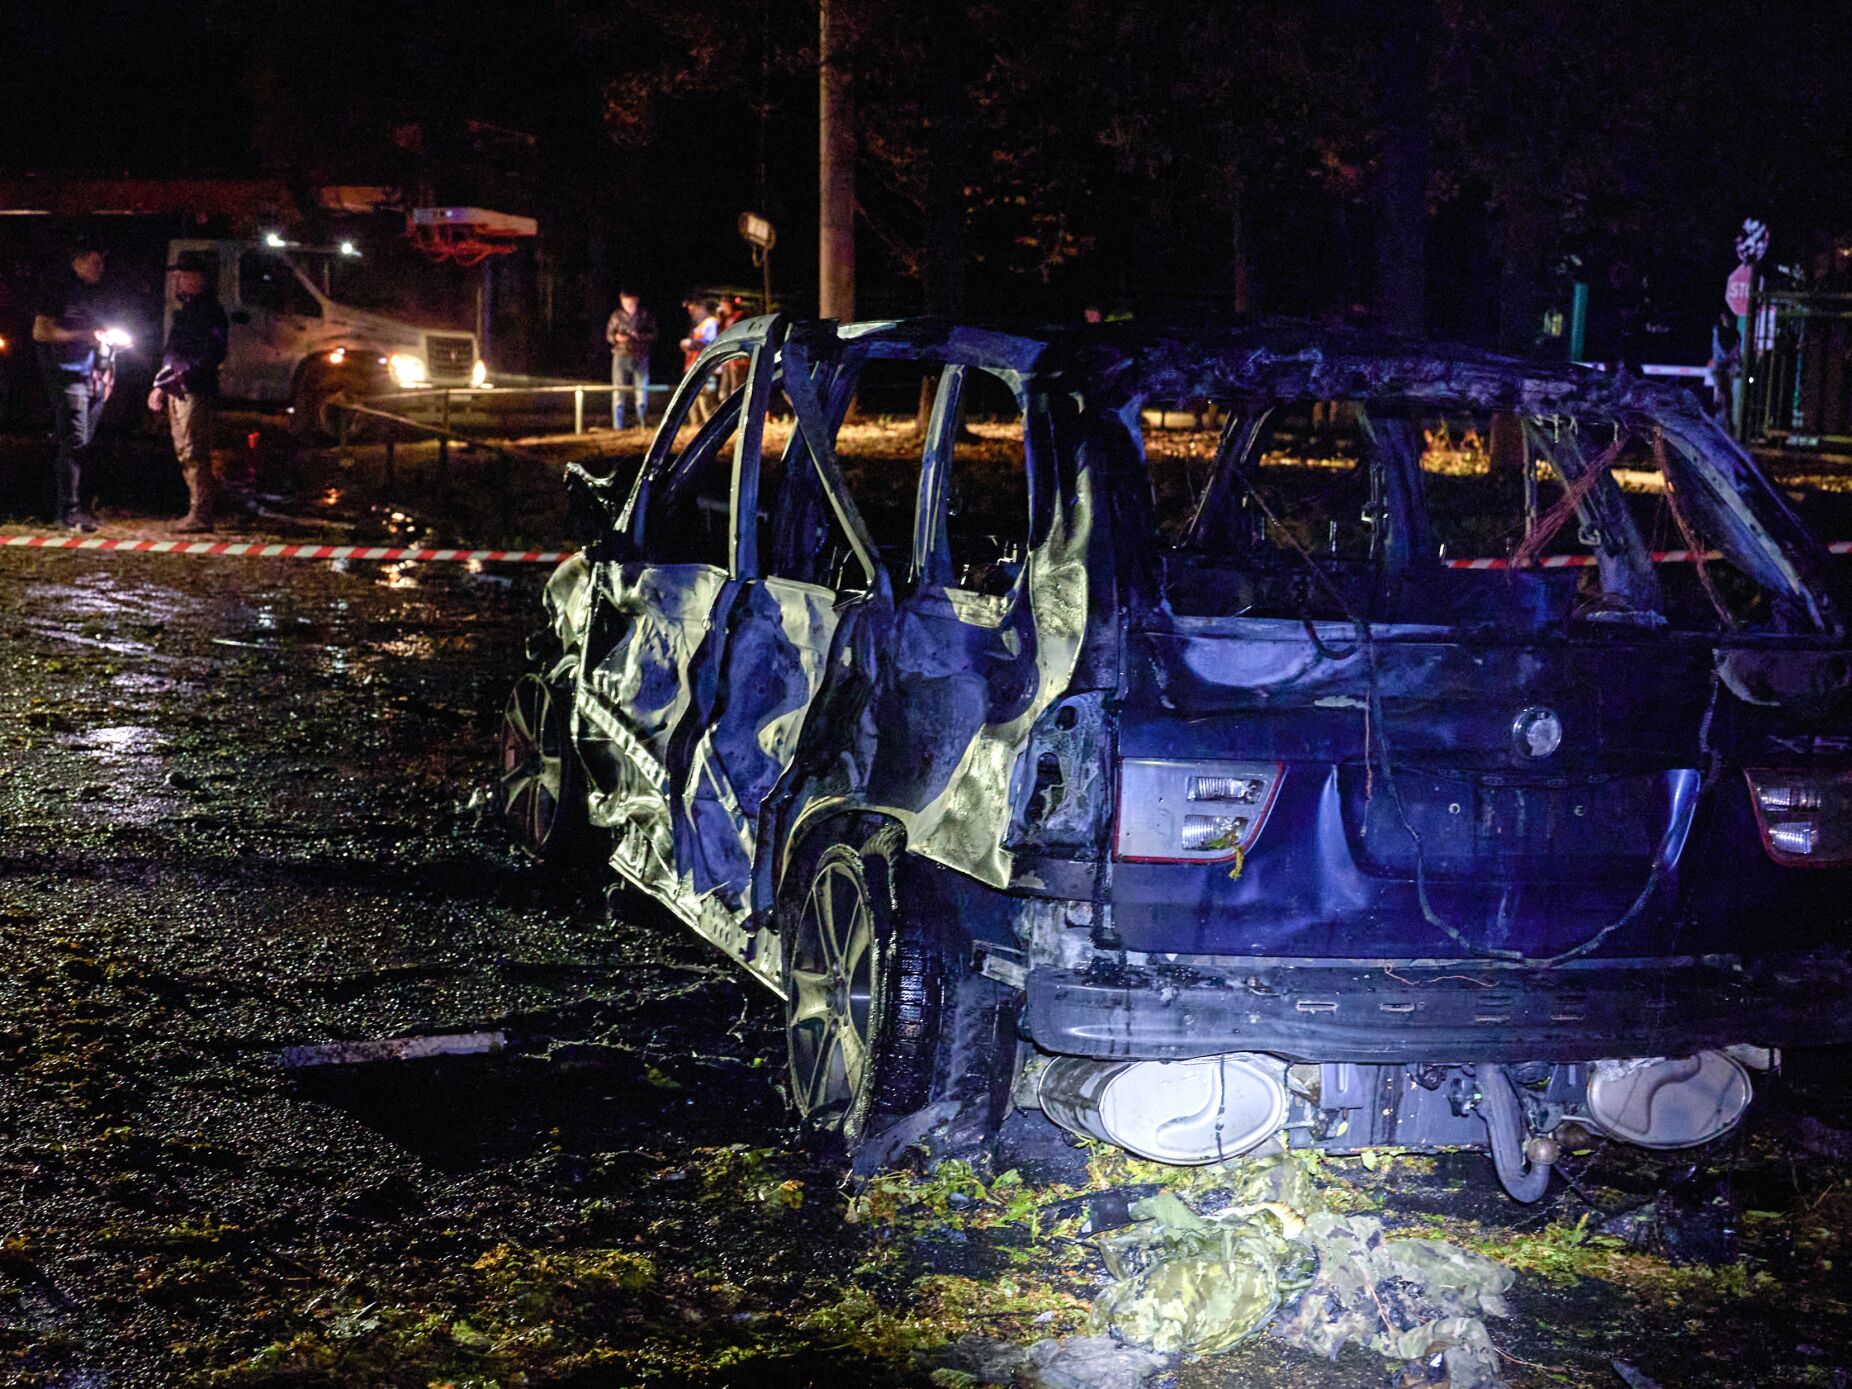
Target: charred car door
(988,630)
(807,570)
(649,658)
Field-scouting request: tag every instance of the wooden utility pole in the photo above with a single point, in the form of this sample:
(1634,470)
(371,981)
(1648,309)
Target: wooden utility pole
(836,170)
(1244,274)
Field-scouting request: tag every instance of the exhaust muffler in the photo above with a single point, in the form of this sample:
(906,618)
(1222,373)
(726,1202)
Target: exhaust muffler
(1186,1112)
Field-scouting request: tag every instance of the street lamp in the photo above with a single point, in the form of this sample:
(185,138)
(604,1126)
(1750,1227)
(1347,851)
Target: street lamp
(759,233)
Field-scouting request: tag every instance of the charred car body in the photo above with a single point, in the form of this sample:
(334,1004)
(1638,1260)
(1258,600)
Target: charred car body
(1366,782)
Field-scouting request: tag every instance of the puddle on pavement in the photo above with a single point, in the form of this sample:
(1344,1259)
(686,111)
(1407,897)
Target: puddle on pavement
(121,741)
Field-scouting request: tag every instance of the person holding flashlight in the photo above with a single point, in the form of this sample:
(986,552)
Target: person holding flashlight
(187,384)
(74,353)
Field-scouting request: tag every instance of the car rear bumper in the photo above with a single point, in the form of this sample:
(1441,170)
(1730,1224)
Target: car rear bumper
(1440,1012)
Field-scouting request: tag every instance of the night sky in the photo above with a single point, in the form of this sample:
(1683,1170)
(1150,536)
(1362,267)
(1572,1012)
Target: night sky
(1110,154)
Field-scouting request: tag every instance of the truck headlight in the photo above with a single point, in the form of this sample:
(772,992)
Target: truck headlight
(1192,812)
(479,374)
(407,371)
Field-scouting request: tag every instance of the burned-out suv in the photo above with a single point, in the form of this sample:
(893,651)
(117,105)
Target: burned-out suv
(1212,741)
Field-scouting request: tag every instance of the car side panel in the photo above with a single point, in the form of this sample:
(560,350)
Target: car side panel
(644,642)
(777,647)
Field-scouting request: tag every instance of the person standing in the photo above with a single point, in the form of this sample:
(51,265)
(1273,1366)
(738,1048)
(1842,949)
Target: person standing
(68,330)
(703,328)
(187,385)
(1726,361)
(631,332)
(733,370)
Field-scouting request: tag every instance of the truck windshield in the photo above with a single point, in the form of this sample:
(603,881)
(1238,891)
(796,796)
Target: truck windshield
(391,280)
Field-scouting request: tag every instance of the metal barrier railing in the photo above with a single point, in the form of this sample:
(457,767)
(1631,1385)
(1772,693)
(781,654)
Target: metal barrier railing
(578,390)
(437,408)
(349,410)
(1800,389)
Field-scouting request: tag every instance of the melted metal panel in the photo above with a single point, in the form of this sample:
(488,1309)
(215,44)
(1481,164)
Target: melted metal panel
(780,640)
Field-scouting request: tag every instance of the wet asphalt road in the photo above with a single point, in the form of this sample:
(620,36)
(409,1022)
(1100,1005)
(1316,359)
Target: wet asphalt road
(231,821)
(234,818)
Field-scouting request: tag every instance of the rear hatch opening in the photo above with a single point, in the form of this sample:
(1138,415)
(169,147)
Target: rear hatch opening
(1485,649)
(1489,522)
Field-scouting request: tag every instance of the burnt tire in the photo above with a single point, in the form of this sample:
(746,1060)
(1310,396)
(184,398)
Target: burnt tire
(921,1030)
(540,796)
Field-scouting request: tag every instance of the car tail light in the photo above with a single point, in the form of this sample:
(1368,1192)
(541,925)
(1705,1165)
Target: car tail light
(1805,817)
(1243,790)
(1192,812)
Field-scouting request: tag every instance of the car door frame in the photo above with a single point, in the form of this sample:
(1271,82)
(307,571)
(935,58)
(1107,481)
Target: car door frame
(956,810)
(266,345)
(638,756)
(793,632)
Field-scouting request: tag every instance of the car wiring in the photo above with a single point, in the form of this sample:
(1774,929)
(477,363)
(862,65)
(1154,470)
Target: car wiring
(1379,755)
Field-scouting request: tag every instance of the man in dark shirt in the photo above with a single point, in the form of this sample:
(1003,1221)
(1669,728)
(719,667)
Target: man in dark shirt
(631,331)
(68,329)
(187,385)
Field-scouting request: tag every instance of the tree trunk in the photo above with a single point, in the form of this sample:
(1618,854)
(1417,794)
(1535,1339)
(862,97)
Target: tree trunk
(1244,275)
(836,169)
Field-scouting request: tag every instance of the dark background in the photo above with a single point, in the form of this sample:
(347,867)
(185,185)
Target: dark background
(1422,165)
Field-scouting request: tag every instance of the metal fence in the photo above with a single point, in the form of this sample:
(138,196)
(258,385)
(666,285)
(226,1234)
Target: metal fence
(1799,391)
(472,418)
(532,407)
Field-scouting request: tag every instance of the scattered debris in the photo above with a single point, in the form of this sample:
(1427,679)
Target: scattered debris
(393,1049)
(1406,1299)
(1634,1379)
(1694,1220)
(1063,1362)
(1273,1255)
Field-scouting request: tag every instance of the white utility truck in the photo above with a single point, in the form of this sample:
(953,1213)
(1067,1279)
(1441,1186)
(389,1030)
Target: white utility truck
(293,342)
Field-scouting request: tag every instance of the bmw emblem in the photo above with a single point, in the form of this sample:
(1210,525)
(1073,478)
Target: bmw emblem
(1536,732)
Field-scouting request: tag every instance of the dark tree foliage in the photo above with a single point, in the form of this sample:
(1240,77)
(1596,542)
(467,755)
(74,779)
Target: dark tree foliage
(1439,163)
(1338,157)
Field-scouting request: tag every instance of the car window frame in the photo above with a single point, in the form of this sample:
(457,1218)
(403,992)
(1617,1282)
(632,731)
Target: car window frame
(662,459)
(820,392)
(800,469)
(932,570)
(1408,542)
(292,276)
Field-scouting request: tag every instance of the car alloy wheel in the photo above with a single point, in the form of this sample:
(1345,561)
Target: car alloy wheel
(835,992)
(535,783)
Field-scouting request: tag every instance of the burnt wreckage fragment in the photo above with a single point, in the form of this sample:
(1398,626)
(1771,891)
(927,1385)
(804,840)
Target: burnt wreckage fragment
(1366,782)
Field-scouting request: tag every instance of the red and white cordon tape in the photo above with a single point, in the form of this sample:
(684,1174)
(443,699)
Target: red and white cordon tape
(257,549)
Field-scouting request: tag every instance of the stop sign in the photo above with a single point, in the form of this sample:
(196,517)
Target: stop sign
(1736,290)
